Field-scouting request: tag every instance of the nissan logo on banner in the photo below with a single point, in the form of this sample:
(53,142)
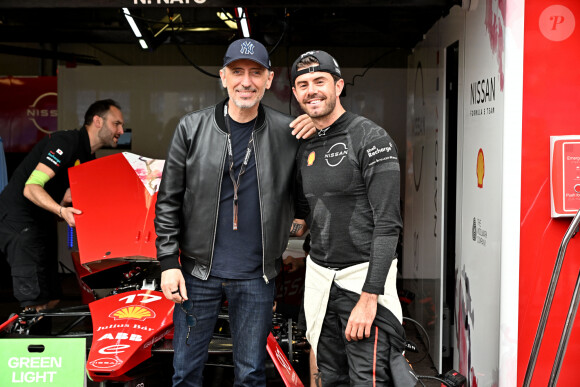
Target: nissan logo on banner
(29,111)
(43,112)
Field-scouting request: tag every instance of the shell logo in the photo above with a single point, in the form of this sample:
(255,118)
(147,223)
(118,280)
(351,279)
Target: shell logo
(132,313)
(480,169)
(311,158)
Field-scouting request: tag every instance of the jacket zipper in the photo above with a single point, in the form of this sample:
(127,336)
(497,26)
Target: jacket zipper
(261,209)
(216,213)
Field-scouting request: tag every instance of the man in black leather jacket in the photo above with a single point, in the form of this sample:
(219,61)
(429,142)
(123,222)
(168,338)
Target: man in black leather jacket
(223,215)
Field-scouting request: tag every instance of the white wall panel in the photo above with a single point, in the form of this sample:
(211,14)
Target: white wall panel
(154,98)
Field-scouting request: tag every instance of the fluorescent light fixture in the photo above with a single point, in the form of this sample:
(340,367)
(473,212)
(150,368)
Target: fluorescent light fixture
(132,23)
(143,44)
(135,29)
(201,29)
(243,22)
(228,19)
(168,22)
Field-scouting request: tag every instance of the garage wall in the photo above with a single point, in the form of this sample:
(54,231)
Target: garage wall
(154,98)
(481,235)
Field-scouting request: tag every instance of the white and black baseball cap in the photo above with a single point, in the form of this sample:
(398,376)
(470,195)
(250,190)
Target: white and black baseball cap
(326,64)
(247,49)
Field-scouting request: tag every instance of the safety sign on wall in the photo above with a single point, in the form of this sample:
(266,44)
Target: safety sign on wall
(564,175)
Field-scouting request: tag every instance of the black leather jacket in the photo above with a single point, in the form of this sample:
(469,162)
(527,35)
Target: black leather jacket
(189,194)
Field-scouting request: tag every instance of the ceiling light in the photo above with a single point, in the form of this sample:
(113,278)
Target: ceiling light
(243,20)
(168,22)
(228,19)
(143,44)
(132,22)
(135,29)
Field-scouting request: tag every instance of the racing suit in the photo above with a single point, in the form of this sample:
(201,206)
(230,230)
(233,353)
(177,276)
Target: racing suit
(350,177)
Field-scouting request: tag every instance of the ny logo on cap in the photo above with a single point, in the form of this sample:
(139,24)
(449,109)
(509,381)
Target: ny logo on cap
(247,48)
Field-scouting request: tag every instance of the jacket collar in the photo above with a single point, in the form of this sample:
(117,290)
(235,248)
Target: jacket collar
(221,122)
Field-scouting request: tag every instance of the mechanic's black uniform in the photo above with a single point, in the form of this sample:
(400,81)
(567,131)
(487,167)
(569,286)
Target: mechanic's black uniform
(28,233)
(350,173)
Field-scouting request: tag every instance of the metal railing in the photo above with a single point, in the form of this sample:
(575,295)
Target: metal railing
(572,230)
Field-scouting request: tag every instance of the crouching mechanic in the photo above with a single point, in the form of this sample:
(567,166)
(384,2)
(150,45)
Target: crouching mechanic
(349,173)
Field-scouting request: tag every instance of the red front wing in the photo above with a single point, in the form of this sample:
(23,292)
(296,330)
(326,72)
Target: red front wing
(125,327)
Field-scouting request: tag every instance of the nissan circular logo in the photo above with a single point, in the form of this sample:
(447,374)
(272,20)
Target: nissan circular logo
(43,113)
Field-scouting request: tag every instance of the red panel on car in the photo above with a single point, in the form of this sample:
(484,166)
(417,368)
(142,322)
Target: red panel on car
(117,195)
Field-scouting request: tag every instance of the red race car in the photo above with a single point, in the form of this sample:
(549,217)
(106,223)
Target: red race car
(131,321)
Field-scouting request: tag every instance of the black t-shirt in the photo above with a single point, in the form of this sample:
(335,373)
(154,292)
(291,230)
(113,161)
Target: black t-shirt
(238,253)
(59,151)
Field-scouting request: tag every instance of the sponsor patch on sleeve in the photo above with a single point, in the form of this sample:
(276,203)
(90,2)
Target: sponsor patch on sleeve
(381,153)
(55,157)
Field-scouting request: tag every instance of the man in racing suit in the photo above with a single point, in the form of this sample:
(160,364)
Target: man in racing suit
(223,216)
(349,173)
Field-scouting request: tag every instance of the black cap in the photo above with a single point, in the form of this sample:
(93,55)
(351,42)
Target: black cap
(326,63)
(247,49)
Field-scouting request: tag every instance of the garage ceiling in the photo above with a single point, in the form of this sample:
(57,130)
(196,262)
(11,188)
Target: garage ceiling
(384,25)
